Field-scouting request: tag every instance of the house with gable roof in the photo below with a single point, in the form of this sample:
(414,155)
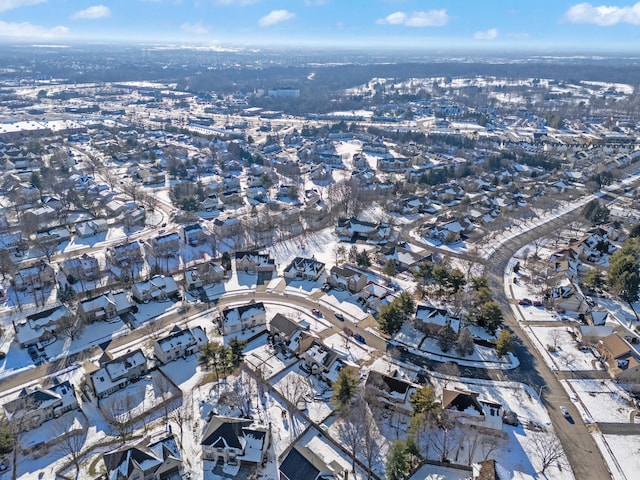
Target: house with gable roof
(306,268)
(347,278)
(36,276)
(302,463)
(391,390)
(430,319)
(180,342)
(244,317)
(113,374)
(158,460)
(468,408)
(620,357)
(159,287)
(235,440)
(36,405)
(166,245)
(104,307)
(254,262)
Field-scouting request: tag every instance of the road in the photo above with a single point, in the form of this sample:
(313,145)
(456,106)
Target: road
(580,447)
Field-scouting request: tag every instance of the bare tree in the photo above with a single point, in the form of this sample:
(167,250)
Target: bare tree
(70,326)
(548,450)
(118,413)
(351,428)
(7,265)
(370,442)
(163,390)
(292,388)
(70,442)
(182,414)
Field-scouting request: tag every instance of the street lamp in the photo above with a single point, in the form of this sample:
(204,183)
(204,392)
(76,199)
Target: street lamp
(542,387)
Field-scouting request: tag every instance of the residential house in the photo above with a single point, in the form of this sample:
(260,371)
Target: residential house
(318,359)
(466,407)
(85,267)
(294,336)
(42,216)
(193,234)
(390,390)
(158,288)
(254,262)
(113,374)
(347,278)
(375,295)
(158,460)
(203,274)
(39,275)
(104,307)
(620,357)
(430,320)
(39,327)
(302,463)
(91,227)
(125,254)
(567,296)
(165,245)
(244,317)
(36,405)
(591,335)
(353,230)
(180,342)
(235,440)
(304,268)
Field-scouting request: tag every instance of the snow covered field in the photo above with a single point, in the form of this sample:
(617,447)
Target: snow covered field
(594,394)
(566,355)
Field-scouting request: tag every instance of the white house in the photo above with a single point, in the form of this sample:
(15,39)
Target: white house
(239,319)
(180,342)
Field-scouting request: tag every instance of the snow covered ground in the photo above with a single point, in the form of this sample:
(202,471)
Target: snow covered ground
(627,459)
(593,395)
(566,355)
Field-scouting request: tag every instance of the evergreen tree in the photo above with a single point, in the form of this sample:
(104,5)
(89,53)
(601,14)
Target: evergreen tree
(344,388)
(504,343)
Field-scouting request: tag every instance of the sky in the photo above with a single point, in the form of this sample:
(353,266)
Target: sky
(548,25)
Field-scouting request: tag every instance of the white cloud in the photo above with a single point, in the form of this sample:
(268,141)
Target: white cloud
(430,18)
(194,28)
(11,4)
(275,16)
(92,13)
(490,34)
(28,30)
(603,15)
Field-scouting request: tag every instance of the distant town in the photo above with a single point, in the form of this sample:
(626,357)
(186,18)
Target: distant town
(240,265)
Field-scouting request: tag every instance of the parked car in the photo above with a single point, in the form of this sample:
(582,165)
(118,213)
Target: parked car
(524,301)
(538,303)
(359,338)
(316,312)
(511,418)
(339,316)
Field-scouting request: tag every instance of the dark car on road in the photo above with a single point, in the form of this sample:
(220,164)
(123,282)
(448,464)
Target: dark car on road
(359,338)
(339,316)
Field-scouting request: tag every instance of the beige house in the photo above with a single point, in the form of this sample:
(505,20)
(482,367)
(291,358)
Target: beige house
(347,279)
(620,357)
